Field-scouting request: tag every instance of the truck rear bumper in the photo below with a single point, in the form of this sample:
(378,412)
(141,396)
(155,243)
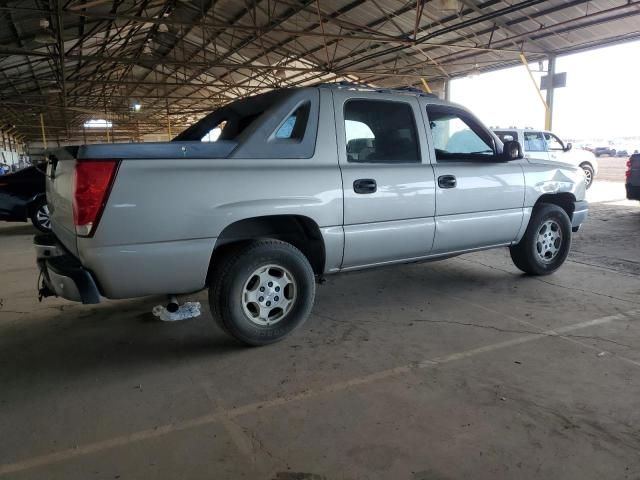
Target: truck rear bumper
(580,214)
(62,274)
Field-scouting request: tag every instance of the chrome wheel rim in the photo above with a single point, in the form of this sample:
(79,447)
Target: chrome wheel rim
(587,176)
(268,295)
(549,241)
(42,217)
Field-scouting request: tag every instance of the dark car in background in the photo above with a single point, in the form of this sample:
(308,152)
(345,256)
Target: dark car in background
(632,183)
(22,198)
(608,151)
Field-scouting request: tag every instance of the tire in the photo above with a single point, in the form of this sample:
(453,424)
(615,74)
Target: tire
(528,254)
(257,317)
(588,172)
(40,215)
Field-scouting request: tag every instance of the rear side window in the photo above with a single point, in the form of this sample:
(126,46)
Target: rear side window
(296,124)
(507,136)
(379,131)
(534,142)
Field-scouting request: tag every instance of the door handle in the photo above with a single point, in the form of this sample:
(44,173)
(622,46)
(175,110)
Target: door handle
(365,185)
(447,181)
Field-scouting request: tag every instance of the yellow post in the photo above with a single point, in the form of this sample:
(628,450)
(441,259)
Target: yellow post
(547,112)
(426,86)
(44,136)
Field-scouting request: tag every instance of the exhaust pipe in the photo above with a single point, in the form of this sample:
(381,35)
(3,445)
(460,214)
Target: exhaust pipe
(173,304)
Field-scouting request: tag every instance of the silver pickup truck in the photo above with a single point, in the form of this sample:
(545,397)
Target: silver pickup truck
(267,194)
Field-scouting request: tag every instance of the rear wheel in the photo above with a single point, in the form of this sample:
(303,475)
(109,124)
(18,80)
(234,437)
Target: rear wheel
(40,216)
(262,291)
(546,242)
(588,174)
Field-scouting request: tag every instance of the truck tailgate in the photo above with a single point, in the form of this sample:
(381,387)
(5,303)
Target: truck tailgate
(60,177)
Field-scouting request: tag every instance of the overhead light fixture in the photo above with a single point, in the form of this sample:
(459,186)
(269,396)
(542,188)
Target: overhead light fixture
(136,107)
(98,123)
(44,36)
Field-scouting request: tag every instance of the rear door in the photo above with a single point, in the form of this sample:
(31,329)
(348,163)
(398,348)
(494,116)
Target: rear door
(387,178)
(479,199)
(535,146)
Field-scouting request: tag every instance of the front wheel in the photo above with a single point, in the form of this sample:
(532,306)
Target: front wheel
(546,242)
(40,216)
(588,174)
(262,291)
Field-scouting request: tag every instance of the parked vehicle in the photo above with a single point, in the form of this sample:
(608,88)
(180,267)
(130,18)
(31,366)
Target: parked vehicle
(605,151)
(544,145)
(22,198)
(632,175)
(301,183)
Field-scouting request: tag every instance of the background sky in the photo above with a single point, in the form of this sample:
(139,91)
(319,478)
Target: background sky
(601,99)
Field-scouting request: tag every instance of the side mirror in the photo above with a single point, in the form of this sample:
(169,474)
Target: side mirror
(568,147)
(512,151)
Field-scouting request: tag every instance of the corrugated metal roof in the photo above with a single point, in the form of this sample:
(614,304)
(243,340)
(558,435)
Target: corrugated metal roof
(81,59)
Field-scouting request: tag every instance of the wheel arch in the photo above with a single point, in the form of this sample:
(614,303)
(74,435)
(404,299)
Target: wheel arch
(300,231)
(33,202)
(564,200)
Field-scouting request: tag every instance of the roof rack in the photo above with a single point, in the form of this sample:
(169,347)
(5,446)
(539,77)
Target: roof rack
(361,86)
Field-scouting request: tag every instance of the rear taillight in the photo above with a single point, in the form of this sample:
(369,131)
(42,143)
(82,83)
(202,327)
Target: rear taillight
(627,174)
(92,183)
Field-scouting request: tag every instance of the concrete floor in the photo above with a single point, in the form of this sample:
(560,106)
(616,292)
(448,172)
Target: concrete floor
(451,370)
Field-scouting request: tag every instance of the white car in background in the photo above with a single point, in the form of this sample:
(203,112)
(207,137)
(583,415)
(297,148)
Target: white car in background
(545,145)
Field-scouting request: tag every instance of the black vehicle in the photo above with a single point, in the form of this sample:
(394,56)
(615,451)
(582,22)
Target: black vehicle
(22,198)
(632,183)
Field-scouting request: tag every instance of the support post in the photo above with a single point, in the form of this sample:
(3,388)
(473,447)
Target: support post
(426,86)
(447,90)
(551,72)
(44,135)
(523,59)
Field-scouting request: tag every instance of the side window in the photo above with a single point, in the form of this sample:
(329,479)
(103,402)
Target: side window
(296,124)
(213,134)
(455,136)
(534,142)
(379,131)
(553,142)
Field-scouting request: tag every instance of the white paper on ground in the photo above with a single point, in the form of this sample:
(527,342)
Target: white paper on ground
(186,311)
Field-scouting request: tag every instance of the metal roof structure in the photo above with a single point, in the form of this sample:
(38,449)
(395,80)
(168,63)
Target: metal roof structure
(149,66)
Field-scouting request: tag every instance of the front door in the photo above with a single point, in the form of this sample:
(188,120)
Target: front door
(387,180)
(556,148)
(479,199)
